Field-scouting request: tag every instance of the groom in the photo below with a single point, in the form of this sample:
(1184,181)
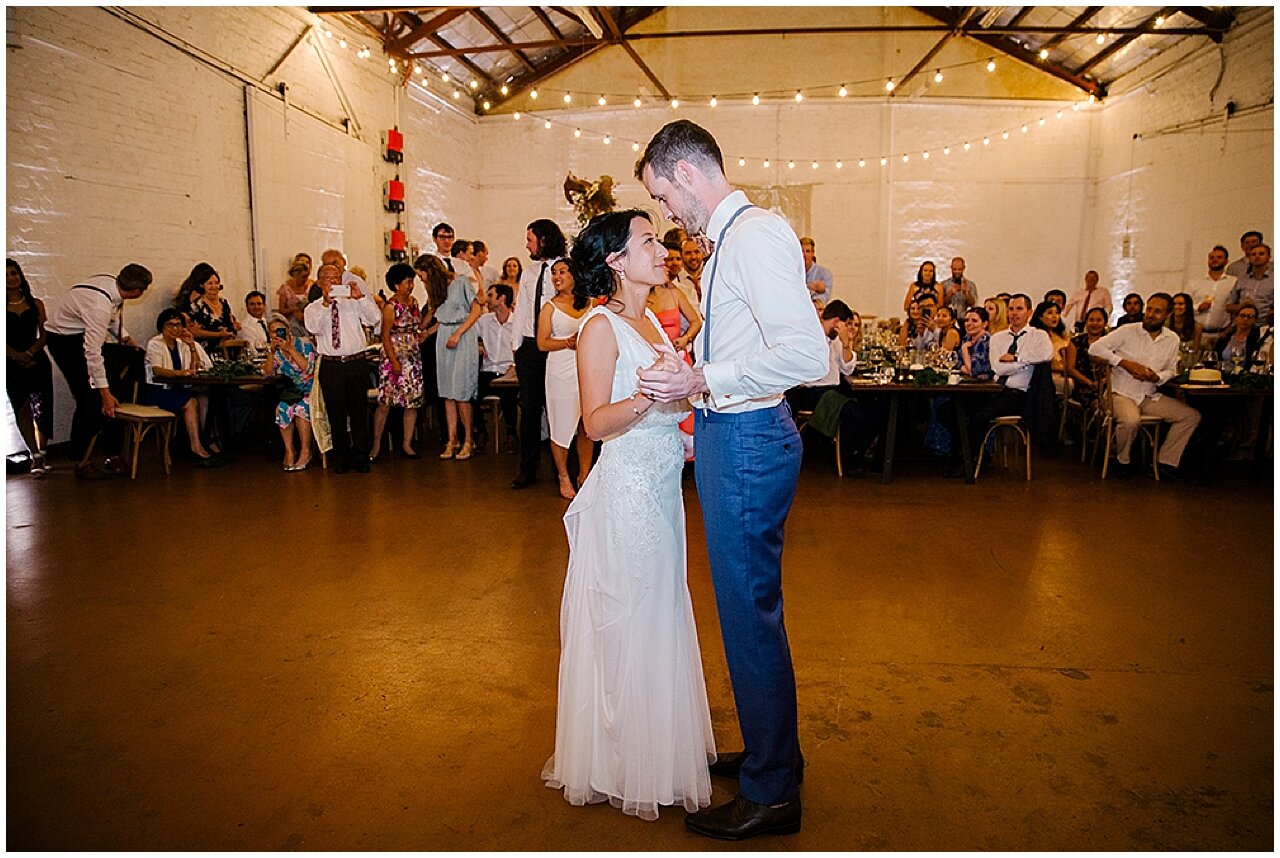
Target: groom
(760,337)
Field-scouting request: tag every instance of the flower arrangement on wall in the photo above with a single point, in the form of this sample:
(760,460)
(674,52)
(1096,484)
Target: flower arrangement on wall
(589,198)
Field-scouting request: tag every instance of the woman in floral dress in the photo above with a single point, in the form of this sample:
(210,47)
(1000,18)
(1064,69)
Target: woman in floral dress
(295,359)
(400,374)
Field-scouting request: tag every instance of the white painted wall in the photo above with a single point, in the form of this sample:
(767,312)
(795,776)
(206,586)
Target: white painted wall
(127,141)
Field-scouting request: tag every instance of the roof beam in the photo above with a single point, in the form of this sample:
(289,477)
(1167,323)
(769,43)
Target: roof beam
(547,22)
(1218,20)
(1089,12)
(617,37)
(1119,44)
(566,59)
(1022,13)
(933,52)
(496,31)
(424,30)
(480,73)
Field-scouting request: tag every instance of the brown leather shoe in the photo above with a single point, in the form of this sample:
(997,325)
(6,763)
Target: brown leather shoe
(743,818)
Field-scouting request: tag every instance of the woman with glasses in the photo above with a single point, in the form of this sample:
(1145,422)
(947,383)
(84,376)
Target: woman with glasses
(294,358)
(174,355)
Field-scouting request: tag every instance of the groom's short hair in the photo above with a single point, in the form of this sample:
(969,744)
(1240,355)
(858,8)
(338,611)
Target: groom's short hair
(681,140)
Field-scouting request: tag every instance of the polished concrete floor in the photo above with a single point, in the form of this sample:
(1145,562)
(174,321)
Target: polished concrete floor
(246,659)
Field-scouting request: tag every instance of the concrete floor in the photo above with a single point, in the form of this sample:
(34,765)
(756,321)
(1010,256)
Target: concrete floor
(245,659)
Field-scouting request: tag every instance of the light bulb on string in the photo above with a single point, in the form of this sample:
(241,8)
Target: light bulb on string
(966,145)
(607,139)
(791,165)
(986,141)
(946,150)
(342,43)
(884,161)
(675,103)
(516,116)
(814,165)
(635,147)
(991,65)
(1075,106)
(1044,53)
(444,76)
(889,85)
(925,155)
(1102,38)
(742,162)
(1024,129)
(417,69)
(755,100)
(475,84)
(577,132)
(1160,20)
(713,102)
(905,158)
(937,76)
(547,124)
(1004,135)
(839,165)
(328,34)
(799,96)
(843,91)
(456,95)
(568,98)
(1059,114)
(1041,121)
(600,101)
(533,93)
(485,104)
(862,162)
(766,163)
(505,89)
(636,102)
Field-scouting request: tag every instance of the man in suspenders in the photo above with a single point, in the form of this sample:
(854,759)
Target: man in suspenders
(760,337)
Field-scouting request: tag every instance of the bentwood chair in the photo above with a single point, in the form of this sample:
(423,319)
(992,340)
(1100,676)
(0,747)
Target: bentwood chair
(1148,429)
(139,420)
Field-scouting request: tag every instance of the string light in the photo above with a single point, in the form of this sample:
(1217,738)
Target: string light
(485,105)
(926,155)
(742,162)
(1075,106)
(533,93)
(456,95)
(328,34)
(862,162)
(884,161)
(607,139)
(991,65)
(1024,129)
(417,69)
(986,141)
(1004,135)
(839,165)
(766,163)
(937,76)
(889,85)
(637,101)
(843,91)
(475,84)
(1102,38)
(1059,114)
(799,96)
(516,116)
(1041,121)
(675,103)
(713,101)
(1044,53)
(577,132)
(905,158)
(600,101)
(1160,20)
(635,147)
(568,99)
(342,43)
(814,165)
(791,165)
(547,124)
(444,76)
(505,89)
(755,100)
(946,150)
(966,145)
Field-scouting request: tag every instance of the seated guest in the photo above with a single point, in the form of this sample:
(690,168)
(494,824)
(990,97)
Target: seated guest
(1085,370)
(1048,318)
(1182,321)
(997,314)
(1056,296)
(294,358)
(856,327)
(837,320)
(494,330)
(291,297)
(926,283)
(400,371)
(254,329)
(337,320)
(1133,310)
(975,348)
(171,355)
(1210,292)
(1255,285)
(916,331)
(1086,299)
(1143,357)
(947,330)
(1242,341)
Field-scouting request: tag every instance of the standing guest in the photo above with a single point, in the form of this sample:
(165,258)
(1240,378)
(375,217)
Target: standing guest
(434,278)
(291,297)
(917,332)
(926,283)
(1143,357)
(1085,300)
(480,260)
(458,359)
(766,340)
(254,329)
(1084,369)
(558,336)
(512,271)
(1182,321)
(1211,291)
(675,262)
(442,236)
(1048,318)
(294,358)
(817,277)
(337,320)
(211,317)
(676,235)
(400,371)
(338,260)
(77,332)
(1056,296)
(975,348)
(1242,341)
(690,280)
(174,354)
(1255,285)
(1248,242)
(189,289)
(948,332)
(676,313)
(1133,310)
(545,243)
(29,374)
(997,313)
(497,360)
(959,292)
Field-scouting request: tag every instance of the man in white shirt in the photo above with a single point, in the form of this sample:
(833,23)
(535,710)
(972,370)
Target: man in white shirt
(254,329)
(77,332)
(959,292)
(760,337)
(817,277)
(1085,300)
(338,321)
(497,359)
(545,243)
(689,280)
(1211,291)
(442,236)
(1142,358)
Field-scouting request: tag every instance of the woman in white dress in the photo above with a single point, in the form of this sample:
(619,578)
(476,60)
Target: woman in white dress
(632,723)
(558,336)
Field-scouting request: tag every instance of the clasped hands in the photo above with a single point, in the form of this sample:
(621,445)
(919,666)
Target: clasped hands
(669,378)
(1140,371)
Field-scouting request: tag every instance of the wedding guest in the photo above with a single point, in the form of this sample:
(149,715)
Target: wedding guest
(916,331)
(77,331)
(1182,321)
(291,297)
(817,277)
(676,235)
(400,371)
(1144,356)
(433,277)
(28,372)
(856,328)
(480,260)
(1133,310)
(294,358)
(173,354)
(1084,369)
(948,332)
(997,314)
(211,319)
(458,359)
(512,271)
(975,348)
(545,243)
(1242,341)
(254,329)
(1085,300)
(1211,291)
(464,264)
(1248,242)
(1048,318)
(497,360)
(959,292)
(1056,296)
(926,283)
(189,289)
(558,336)
(690,280)
(1255,285)
(337,320)
(338,260)
(678,316)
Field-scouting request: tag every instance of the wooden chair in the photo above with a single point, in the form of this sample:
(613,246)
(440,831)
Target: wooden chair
(1148,427)
(139,420)
(802,421)
(491,408)
(1012,422)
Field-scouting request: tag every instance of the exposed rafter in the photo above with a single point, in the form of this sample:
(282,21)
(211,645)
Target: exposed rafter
(547,22)
(1119,44)
(603,13)
(496,31)
(1077,21)
(933,52)
(424,30)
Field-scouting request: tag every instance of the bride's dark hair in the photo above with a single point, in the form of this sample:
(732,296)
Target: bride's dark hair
(606,234)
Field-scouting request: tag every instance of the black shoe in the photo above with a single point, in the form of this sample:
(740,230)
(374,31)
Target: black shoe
(362,466)
(730,764)
(341,468)
(211,461)
(741,818)
(410,455)
(1121,471)
(521,482)
(1172,474)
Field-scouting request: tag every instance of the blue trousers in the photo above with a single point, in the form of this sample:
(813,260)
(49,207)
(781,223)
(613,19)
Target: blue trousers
(748,465)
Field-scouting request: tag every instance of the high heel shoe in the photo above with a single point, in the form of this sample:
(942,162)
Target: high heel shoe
(450,450)
(465,452)
(38,466)
(410,454)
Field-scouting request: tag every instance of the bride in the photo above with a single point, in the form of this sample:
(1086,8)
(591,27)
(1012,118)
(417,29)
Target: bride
(632,724)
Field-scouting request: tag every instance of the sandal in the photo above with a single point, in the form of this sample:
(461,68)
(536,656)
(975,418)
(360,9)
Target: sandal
(465,452)
(449,450)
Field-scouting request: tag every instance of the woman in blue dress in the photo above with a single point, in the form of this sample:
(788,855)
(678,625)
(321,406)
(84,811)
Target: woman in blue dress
(458,361)
(295,359)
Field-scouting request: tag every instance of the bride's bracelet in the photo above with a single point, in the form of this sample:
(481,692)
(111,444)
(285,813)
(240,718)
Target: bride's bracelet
(637,411)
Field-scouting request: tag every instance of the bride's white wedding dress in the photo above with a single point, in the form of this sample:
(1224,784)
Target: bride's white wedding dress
(632,722)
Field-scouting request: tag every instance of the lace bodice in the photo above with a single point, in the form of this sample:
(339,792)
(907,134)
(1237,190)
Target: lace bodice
(634,352)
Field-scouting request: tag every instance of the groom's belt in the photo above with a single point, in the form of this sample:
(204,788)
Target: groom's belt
(758,415)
